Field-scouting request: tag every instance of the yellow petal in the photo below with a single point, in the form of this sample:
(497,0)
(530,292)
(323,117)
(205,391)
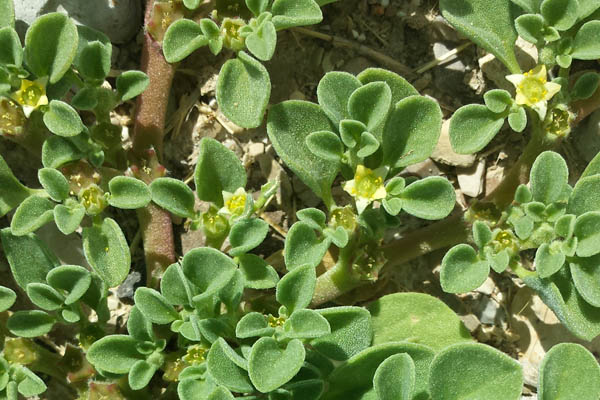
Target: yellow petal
(350,187)
(515,79)
(552,88)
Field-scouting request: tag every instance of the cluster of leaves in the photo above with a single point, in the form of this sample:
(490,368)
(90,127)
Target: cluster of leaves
(368,128)
(244,86)
(562,223)
(561,30)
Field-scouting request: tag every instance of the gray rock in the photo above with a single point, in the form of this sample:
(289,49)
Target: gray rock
(489,311)
(448,77)
(119,19)
(587,137)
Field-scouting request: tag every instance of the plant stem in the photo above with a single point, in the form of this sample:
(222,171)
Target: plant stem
(148,132)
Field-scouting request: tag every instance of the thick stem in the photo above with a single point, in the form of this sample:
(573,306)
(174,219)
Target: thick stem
(149,130)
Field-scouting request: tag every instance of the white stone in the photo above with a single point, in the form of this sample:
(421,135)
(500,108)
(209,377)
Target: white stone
(119,19)
(470,180)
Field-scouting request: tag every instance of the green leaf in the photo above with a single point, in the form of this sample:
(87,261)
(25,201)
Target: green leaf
(51,45)
(306,324)
(370,104)
(562,14)
(560,294)
(154,306)
(29,384)
(253,324)
(472,127)
(518,120)
(368,145)
(13,192)
(462,271)
(339,236)
(29,258)
(482,234)
(243,90)
(106,250)
(486,373)
(208,269)
(224,370)
(128,193)
(488,23)
(44,296)
(586,274)
(587,232)
(569,372)
(247,234)
(418,318)
(182,38)
(55,183)
(7,13)
(232,293)
(585,196)
(271,366)
(94,52)
(531,28)
(11,51)
(221,393)
(174,196)
(131,84)
(73,279)
(547,262)
(257,6)
(115,353)
(218,170)
(139,327)
(257,273)
(333,93)
(394,379)
(289,13)
(30,324)
(549,175)
(288,125)
(313,217)
(57,151)
(585,45)
(325,144)
(585,86)
(351,332)
(399,86)
(356,375)
(261,43)
(430,198)
(7,298)
(68,216)
(62,119)
(140,374)
(295,290)
(33,213)
(174,286)
(497,100)
(412,131)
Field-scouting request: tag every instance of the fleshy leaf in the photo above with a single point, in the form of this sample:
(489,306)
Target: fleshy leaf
(107,251)
(68,216)
(289,13)
(154,306)
(11,51)
(326,145)
(485,373)
(306,324)
(333,93)
(585,45)
(462,271)
(288,125)
(115,353)
(587,232)
(295,290)
(7,298)
(208,269)
(430,198)
(13,192)
(247,234)
(271,366)
(73,279)
(562,14)
(261,43)
(44,296)
(182,38)
(549,175)
(131,84)
(585,196)
(52,60)
(225,371)
(547,262)
(569,371)
(54,182)
(257,273)
(128,193)
(489,23)
(472,127)
(174,196)
(32,214)
(370,104)
(412,131)
(62,119)
(30,324)
(418,318)
(586,274)
(243,90)
(394,379)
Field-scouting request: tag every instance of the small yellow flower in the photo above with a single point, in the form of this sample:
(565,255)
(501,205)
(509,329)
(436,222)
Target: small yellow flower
(31,95)
(234,204)
(534,90)
(366,186)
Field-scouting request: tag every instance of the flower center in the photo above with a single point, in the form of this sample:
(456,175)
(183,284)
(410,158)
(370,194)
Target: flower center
(12,118)
(533,88)
(236,204)
(344,217)
(195,355)
(275,322)
(93,199)
(367,183)
(31,95)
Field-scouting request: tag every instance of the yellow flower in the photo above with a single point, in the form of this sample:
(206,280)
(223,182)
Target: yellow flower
(234,204)
(31,95)
(366,186)
(534,90)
